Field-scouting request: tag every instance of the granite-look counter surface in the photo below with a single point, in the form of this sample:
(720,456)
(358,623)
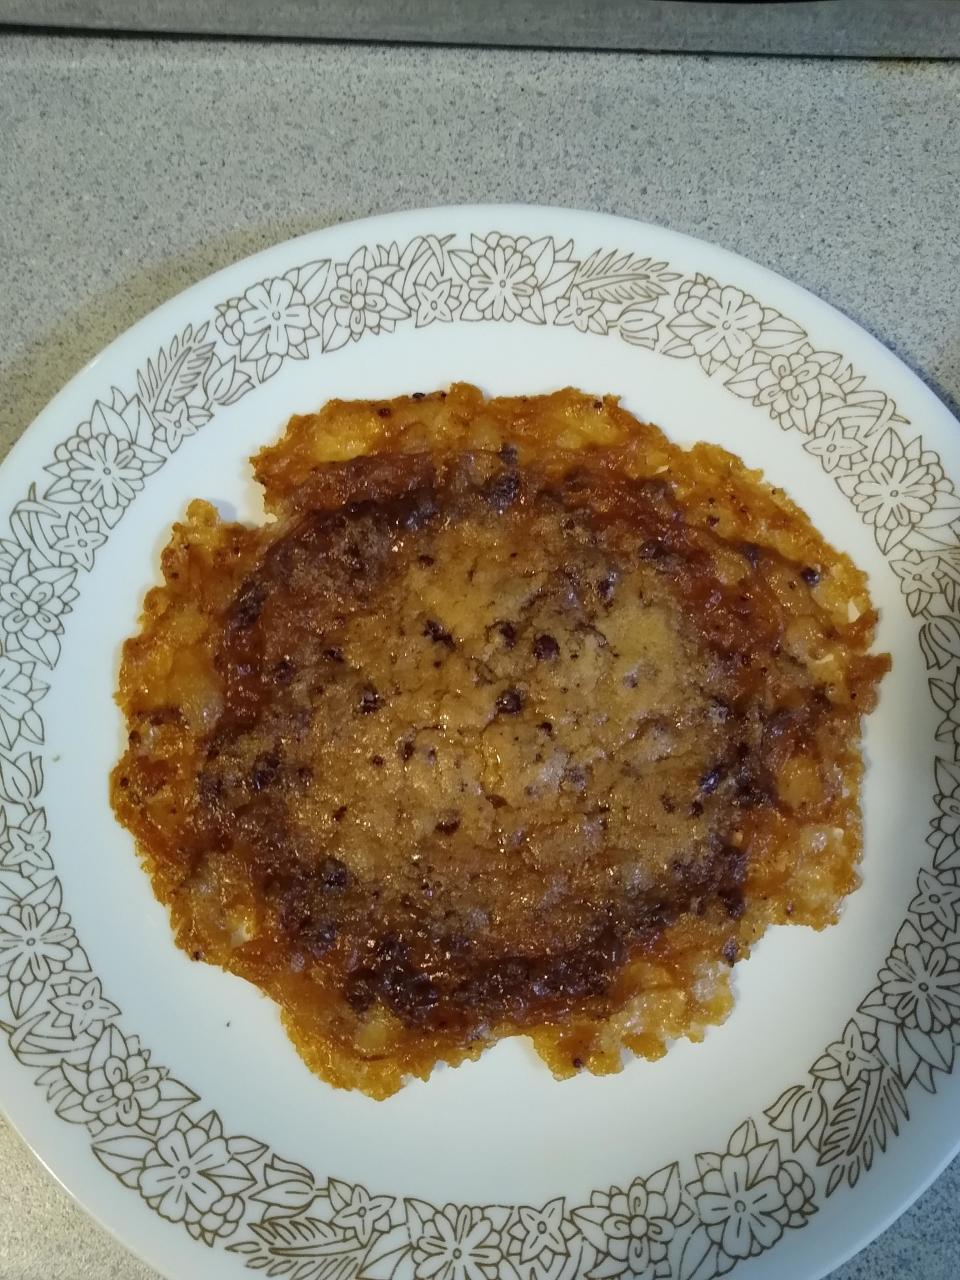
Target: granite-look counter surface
(130,168)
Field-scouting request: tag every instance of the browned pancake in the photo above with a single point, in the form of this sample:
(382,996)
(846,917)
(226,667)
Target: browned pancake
(517,719)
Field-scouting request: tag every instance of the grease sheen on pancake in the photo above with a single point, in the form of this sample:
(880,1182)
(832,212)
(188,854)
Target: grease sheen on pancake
(516,719)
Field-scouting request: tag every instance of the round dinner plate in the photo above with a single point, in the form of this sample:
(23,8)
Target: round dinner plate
(166,1096)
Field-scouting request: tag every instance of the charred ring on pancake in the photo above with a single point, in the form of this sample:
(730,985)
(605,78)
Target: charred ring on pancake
(518,719)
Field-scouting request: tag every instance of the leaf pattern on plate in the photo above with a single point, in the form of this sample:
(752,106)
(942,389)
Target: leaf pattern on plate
(693,1219)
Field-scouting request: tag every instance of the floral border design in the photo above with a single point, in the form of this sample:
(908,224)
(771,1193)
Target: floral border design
(151,1130)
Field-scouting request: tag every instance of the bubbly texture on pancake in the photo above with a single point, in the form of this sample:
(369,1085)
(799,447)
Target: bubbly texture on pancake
(516,719)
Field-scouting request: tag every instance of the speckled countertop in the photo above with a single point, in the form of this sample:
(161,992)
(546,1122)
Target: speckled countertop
(131,168)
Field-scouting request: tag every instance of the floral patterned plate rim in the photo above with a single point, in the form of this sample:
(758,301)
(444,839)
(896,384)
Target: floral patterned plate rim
(166,1097)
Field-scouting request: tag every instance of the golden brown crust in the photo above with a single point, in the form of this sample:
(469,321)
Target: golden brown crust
(518,718)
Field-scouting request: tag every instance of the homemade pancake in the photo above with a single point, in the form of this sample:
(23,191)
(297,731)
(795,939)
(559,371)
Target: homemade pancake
(516,719)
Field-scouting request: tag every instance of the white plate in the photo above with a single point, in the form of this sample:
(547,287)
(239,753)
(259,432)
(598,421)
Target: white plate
(780,1145)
